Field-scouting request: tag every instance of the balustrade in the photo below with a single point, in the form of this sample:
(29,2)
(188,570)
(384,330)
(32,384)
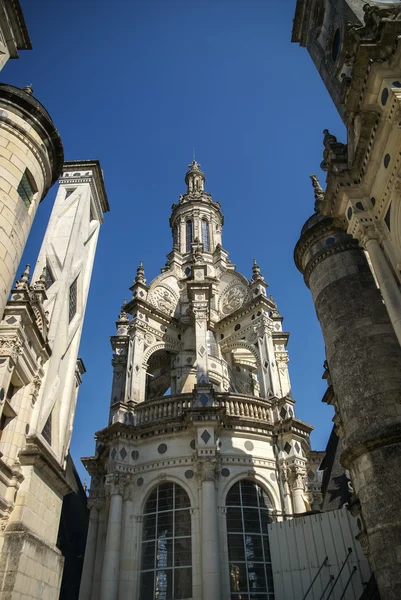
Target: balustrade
(174,407)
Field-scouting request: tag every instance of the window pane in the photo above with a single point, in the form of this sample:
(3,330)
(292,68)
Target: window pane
(148,556)
(253,547)
(166,496)
(182,552)
(205,236)
(164,553)
(256,577)
(233,496)
(238,578)
(149,527)
(182,523)
(236,547)
(251,520)
(265,519)
(182,583)
(163,585)
(266,547)
(165,524)
(234,519)
(146,588)
(188,235)
(27,188)
(181,498)
(151,504)
(249,495)
(72,307)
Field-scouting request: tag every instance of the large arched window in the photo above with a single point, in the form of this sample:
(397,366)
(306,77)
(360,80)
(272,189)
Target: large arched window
(251,576)
(166,564)
(189,236)
(205,235)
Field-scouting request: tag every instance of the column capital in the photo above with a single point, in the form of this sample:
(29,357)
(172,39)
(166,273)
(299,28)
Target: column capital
(115,483)
(207,469)
(367,233)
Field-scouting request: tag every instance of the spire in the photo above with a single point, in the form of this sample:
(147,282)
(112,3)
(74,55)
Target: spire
(319,193)
(195,178)
(22,284)
(140,274)
(123,317)
(256,272)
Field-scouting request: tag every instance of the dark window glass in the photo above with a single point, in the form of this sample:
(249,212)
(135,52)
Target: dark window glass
(47,430)
(72,306)
(189,235)
(205,236)
(335,48)
(27,188)
(49,277)
(166,562)
(251,574)
(69,192)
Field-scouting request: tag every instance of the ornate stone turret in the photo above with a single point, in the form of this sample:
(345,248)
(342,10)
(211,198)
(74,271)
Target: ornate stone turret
(200,397)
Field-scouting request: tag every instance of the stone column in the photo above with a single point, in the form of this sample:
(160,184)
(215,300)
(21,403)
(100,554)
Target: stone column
(364,358)
(183,236)
(136,380)
(85,591)
(111,562)
(9,351)
(389,287)
(126,560)
(211,584)
(100,545)
(298,489)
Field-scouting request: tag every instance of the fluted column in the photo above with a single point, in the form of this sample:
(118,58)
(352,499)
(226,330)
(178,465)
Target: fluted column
(126,559)
(111,562)
(85,590)
(211,584)
(388,285)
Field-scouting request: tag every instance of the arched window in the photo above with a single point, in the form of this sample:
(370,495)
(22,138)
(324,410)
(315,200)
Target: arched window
(188,236)
(166,563)
(205,235)
(251,575)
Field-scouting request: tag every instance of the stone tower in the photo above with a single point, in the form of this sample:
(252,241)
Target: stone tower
(31,159)
(202,449)
(40,373)
(14,35)
(355,46)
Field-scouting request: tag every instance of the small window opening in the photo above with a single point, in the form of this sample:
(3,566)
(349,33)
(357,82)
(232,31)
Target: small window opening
(189,236)
(47,430)
(69,192)
(27,188)
(205,236)
(73,298)
(50,279)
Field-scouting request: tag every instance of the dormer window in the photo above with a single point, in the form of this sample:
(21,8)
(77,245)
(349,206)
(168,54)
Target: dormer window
(189,235)
(205,235)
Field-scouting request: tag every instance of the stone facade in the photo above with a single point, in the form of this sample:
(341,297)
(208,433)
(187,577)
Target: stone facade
(14,35)
(40,373)
(350,255)
(201,403)
(31,158)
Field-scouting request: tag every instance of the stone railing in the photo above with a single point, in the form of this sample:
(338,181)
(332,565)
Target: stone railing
(174,407)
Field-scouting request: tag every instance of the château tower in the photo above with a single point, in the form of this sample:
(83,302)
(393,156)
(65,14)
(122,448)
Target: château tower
(356,48)
(201,429)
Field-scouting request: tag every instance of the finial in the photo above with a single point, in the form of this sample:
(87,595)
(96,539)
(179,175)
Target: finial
(193,154)
(40,284)
(256,272)
(123,314)
(28,89)
(22,283)
(140,274)
(319,193)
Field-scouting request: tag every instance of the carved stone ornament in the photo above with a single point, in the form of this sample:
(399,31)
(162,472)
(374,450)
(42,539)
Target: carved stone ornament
(207,469)
(10,347)
(163,299)
(36,383)
(232,299)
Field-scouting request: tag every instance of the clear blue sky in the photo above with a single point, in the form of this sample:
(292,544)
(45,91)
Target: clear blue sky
(137,84)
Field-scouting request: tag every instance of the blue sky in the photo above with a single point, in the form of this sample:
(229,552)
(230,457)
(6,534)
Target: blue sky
(137,84)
